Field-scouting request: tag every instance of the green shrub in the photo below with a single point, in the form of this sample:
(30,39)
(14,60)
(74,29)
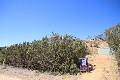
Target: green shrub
(113,38)
(1,57)
(55,54)
(118,62)
(118,55)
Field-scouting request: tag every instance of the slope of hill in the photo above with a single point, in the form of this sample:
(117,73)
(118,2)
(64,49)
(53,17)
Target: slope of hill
(105,69)
(94,44)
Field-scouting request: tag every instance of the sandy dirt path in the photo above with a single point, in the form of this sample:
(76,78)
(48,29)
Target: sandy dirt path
(105,69)
(7,77)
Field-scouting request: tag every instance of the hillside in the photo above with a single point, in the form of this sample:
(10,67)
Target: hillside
(94,44)
(105,69)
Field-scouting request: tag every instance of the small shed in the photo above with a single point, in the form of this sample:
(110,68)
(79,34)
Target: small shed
(105,50)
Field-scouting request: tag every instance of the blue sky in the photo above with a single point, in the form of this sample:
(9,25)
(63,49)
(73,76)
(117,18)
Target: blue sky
(26,20)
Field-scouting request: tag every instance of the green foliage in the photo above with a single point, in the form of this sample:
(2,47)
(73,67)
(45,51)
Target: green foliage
(119,62)
(118,55)
(100,37)
(113,38)
(1,57)
(2,54)
(55,54)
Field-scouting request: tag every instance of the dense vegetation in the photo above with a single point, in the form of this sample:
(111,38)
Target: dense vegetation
(113,38)
(55,54)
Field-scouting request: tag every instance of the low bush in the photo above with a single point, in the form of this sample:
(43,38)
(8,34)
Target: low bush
(55,54)
(118,55)
(113,39)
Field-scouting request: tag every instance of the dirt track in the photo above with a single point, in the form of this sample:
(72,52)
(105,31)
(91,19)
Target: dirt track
(105,69)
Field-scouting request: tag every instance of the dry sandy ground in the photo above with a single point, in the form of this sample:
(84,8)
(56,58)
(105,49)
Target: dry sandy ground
(105,69)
